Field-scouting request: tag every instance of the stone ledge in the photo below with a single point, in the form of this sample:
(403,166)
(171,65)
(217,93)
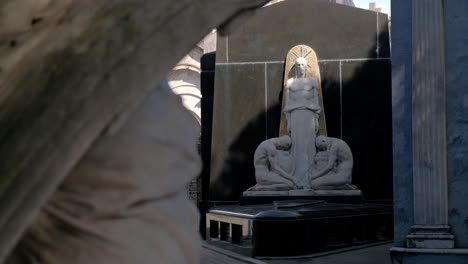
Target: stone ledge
(441,251)
(308,192)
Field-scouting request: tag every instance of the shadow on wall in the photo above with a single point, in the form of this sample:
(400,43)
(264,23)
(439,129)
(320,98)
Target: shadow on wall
(357,102)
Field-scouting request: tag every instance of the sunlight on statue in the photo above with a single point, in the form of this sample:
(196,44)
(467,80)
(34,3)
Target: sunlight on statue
(304,160)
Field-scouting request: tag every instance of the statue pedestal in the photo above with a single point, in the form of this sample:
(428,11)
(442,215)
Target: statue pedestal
(310,192)
(350,195)
(266,193)
(305,192)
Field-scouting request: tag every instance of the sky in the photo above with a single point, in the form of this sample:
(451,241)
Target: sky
(384,4)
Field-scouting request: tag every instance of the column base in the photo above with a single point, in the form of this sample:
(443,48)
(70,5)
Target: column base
(426,236)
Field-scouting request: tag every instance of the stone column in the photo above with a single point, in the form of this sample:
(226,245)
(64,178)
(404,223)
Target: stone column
(431,229)
(184,80)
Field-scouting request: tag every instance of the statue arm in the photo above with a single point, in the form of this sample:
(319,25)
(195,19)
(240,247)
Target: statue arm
(330,165)
(284,174)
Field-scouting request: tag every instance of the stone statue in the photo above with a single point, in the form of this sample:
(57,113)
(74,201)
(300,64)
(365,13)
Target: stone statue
(274,166)
(302,111)
(303,163)
(333,165)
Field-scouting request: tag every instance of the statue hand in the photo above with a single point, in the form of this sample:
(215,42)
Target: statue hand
(316,175)
(274,166)
(297,184)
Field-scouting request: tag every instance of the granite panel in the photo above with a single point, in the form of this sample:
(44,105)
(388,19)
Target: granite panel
(402,120)
(333,31)
(366,104)
(457,117)
(239,126)
(274,91)
(207,83)
(330,75)
(383,36)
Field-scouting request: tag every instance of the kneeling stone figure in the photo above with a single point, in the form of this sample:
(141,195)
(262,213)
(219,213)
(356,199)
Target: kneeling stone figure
(274,166)
(333,165)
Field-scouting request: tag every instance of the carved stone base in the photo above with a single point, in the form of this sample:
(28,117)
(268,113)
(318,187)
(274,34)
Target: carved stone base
(266,193)
(305,192)
(325,192)
(422,236)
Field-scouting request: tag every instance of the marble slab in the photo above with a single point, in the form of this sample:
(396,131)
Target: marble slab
(266,193)
(307,192)
(325,192)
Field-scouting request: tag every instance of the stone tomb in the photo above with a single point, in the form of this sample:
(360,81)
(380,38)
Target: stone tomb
(352,48)
(297,227)
(353,55)
(303,161)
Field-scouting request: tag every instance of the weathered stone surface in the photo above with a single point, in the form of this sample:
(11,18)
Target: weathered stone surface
(71,68)
(313,20)
(401,119)
(117,204)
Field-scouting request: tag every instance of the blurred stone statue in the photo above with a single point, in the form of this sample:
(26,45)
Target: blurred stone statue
(274,166)
(333,165)
(117,204)
(302,111)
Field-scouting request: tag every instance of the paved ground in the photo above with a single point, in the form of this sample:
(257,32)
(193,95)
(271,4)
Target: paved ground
(212,257)
(215,255)
(369,255)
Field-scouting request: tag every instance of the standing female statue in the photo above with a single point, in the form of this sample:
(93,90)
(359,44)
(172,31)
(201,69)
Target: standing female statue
(302,111)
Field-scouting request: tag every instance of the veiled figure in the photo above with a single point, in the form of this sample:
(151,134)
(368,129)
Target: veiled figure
(302,111)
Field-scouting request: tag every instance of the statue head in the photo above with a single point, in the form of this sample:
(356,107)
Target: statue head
(283,142)
(321,142)
(300,67)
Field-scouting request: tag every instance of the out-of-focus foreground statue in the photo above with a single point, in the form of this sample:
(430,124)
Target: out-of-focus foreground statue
(95,151)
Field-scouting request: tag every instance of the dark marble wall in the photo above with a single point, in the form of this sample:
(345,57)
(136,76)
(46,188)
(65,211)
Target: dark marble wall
(456,24)
(352,46)
(402,120)
(207,76)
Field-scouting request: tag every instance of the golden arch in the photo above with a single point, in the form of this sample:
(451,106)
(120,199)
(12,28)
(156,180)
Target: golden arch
(313,71)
